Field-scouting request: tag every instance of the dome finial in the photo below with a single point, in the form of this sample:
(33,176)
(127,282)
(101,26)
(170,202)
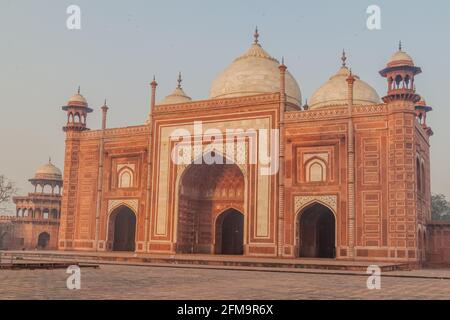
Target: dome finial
(50,160)
(79,89)
(400,45)
(344,59)
(179,80)
(256,36)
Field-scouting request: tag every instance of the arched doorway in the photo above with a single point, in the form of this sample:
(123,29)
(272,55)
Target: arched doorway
(317,232)
(122,226)
(43,240)
(230,233)
(202,188)
(4,241)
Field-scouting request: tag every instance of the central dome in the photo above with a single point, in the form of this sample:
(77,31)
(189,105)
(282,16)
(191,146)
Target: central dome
(254,72)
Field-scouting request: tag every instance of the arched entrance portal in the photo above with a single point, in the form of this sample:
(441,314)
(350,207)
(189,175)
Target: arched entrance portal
(203,188)
(230,233)
(317,232)
(122,226)
(43,240)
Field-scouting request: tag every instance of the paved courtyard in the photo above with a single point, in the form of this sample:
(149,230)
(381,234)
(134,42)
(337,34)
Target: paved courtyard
(133,282)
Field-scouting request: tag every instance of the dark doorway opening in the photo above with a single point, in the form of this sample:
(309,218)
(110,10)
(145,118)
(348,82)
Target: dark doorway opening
(317,237)
(124,229)
(230,233)
(43,240)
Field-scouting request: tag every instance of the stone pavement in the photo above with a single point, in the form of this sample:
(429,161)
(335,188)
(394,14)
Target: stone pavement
(134,282)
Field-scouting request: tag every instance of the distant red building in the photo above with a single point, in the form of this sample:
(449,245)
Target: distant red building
(36,223)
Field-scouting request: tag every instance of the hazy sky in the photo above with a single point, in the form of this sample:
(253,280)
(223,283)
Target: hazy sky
(123,43)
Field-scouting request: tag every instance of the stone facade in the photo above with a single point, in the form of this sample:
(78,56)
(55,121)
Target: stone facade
(348,171)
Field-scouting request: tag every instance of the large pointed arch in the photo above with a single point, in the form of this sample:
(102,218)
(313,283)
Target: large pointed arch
(201,188)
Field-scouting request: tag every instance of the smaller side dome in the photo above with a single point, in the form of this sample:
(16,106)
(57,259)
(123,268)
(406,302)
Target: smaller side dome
(177,96)
(77,100)
(48,172)
(334,91)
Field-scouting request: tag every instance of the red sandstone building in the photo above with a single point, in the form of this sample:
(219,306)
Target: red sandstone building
(36,223)
(352,181)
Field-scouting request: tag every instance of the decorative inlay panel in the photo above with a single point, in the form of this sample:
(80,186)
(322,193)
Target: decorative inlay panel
(132,203)
(301,201)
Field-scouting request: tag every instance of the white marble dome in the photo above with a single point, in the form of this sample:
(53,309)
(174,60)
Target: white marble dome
(48,172)
(334,92)
(254,72)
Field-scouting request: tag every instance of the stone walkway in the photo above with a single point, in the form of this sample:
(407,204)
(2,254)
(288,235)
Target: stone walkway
(134,282)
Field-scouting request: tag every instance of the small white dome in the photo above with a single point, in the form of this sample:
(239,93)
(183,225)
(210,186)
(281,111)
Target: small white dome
(77,100)
(400,58)
(334,92)
(177,96)
(254,72)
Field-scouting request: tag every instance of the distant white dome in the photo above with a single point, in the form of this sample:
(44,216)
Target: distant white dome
(254,72)
(48,172)
(334,92)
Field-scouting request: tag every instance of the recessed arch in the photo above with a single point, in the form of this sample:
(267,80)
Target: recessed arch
(126,178)
(43,240)
(422,176)
(418,175)
(122,229)
(229,232)
(316,231)
(316,170)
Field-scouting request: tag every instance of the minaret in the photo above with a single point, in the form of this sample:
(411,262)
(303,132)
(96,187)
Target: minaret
(350,162)
(400,72)
(101,157)
(153,85)
(77,109)
(281,209)
(148,193)
(401,100)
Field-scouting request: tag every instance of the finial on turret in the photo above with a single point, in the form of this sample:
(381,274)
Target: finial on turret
(282,60)
(179,80)
(400,48)
(256,36)
(50,160)
(79,89)
(344,59)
